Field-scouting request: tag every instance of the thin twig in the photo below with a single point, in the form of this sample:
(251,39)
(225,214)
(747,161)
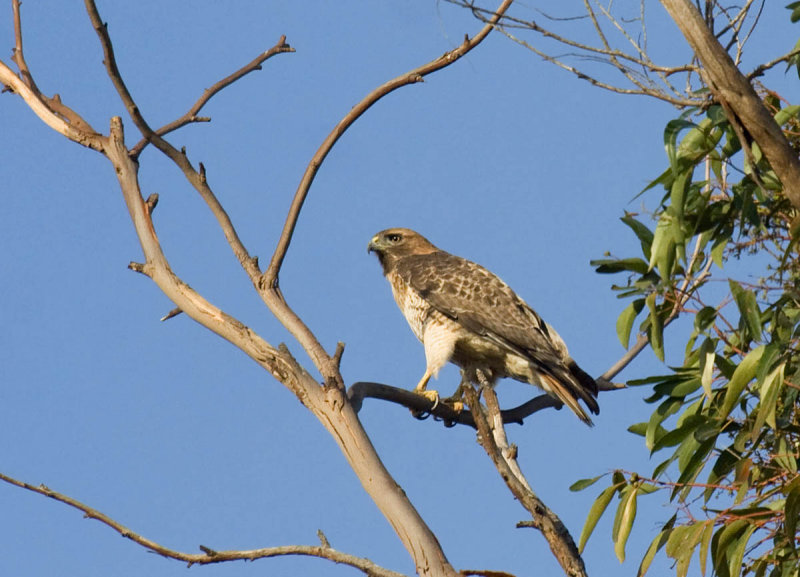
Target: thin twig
(762,68)
(18,55)
(209,556)
(79,130)
(191,115)
(110,63)
(685,290)
(619,59)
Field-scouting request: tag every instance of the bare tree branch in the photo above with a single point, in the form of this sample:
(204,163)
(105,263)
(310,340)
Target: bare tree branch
(54,103)
(209,556)
(50,110)
(762,68)
(635,66)
(110,63)
(39,105)
(191,115)
(642,74)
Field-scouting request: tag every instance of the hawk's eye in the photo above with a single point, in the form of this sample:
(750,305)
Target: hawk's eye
(393,237)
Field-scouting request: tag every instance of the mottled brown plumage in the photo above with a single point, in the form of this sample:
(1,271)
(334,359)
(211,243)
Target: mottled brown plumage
(464,314)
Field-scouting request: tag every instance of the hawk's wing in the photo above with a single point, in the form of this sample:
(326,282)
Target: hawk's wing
(483,304)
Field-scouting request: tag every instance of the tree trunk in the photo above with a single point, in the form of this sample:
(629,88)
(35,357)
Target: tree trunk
(731,89)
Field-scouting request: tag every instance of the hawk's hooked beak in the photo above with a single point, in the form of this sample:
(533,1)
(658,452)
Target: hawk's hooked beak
(374,245)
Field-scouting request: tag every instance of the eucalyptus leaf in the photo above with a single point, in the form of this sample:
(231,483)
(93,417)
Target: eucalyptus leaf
(743,374)
(626,320)
(582,484)
(643,233)
(626,513)
(792,509)
(595,512)
(769,391)
(656,330)
(748,308)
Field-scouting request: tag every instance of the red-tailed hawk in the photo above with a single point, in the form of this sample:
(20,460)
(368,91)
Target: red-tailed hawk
(464,314)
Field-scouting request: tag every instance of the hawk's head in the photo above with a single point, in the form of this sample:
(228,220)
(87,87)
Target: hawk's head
(394,243)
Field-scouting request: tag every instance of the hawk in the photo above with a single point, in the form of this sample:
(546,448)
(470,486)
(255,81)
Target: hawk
(464,314)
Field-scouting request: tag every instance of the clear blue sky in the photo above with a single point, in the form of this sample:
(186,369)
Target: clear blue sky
(500,158)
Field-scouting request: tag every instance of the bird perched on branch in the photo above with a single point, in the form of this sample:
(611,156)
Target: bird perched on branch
(464,314)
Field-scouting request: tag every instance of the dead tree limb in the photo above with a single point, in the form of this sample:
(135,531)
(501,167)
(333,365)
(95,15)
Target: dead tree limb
(328,402)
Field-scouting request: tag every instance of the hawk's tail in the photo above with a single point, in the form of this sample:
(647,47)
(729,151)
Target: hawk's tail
(571,385)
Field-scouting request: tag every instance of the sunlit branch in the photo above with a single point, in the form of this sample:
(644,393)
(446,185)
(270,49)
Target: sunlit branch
(209,556)
(51,111)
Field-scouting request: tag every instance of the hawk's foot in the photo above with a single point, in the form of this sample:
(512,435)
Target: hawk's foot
(456,402)
(432,396)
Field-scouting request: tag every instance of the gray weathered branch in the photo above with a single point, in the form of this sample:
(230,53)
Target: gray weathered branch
(328,402)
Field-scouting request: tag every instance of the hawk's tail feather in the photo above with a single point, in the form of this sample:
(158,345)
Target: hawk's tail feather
(571,385)
(565,391)
(588,386)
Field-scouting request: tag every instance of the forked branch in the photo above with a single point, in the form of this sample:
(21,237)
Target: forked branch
(269,284)
(490,430)
(191,115)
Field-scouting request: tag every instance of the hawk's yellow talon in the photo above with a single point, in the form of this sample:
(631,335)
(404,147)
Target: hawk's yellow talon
(432,396)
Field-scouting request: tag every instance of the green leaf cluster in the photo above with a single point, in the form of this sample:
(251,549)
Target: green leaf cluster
(719,248)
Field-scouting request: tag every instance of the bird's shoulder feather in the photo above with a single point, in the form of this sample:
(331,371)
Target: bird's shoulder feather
(481,302)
